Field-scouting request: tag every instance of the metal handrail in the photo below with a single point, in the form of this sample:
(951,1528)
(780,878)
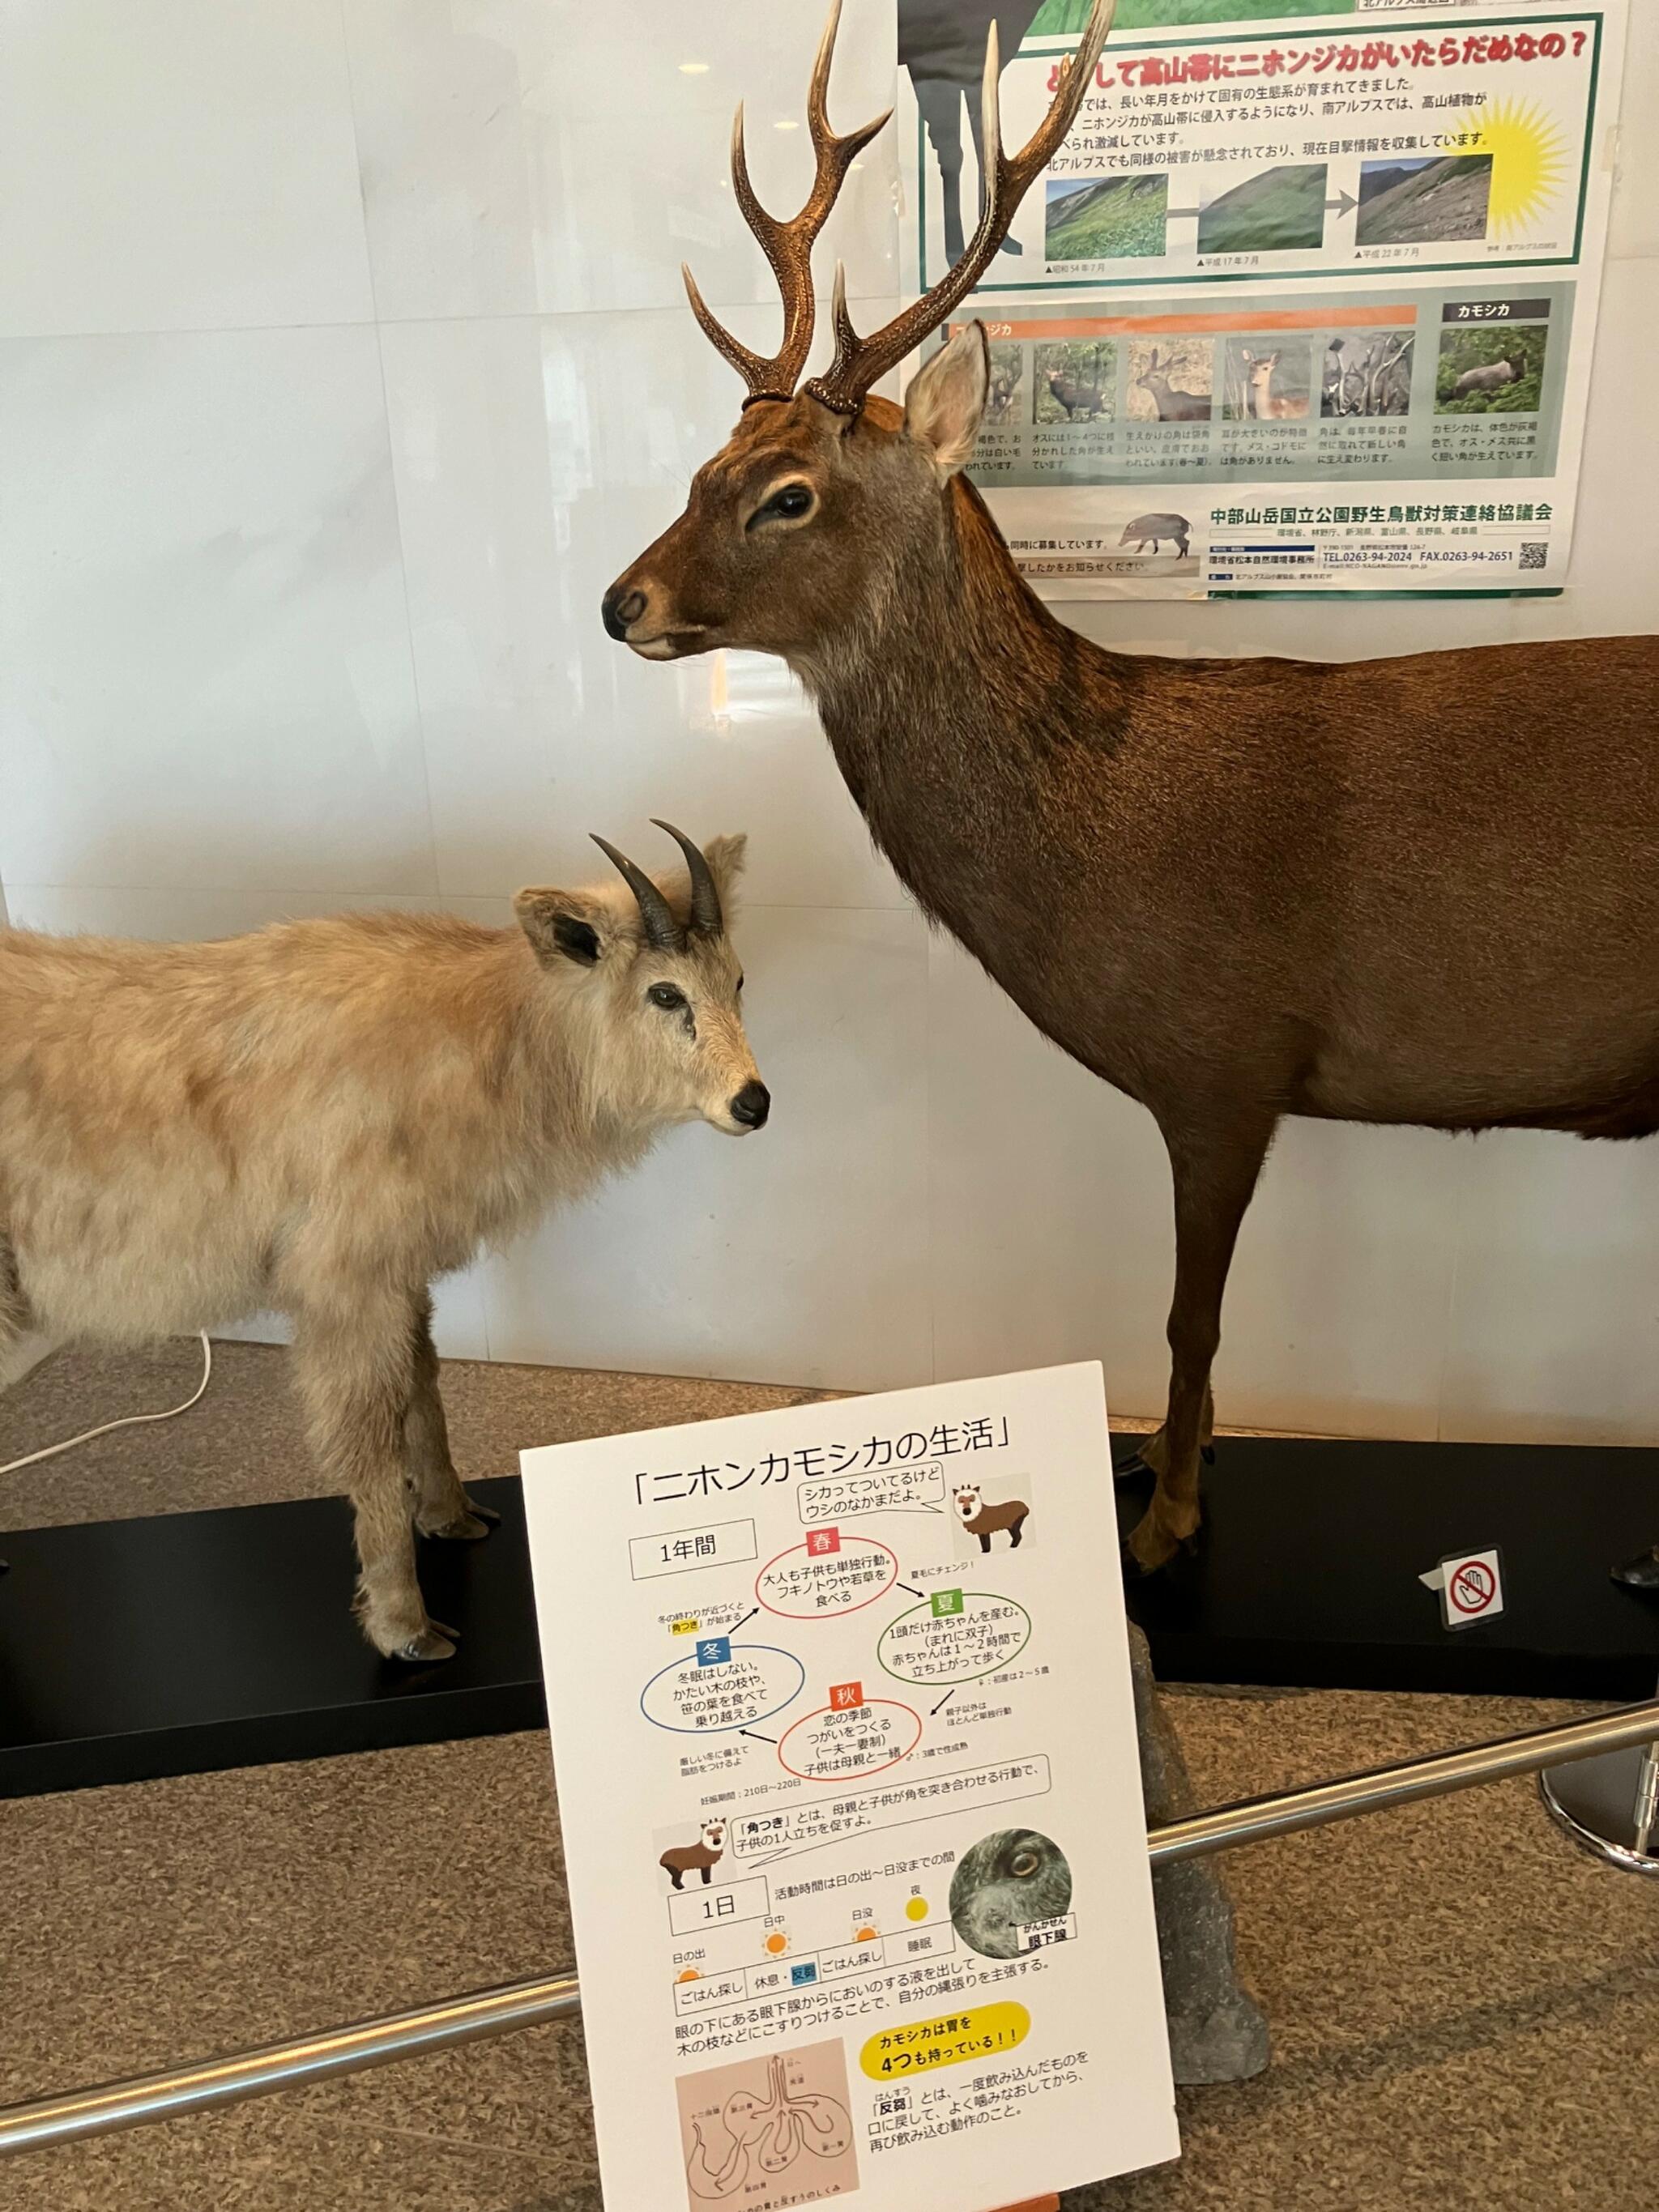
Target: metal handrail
(531,2004)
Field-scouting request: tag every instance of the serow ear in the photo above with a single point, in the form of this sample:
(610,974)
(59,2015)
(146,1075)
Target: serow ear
(945,400)
(565,925)
(727,857)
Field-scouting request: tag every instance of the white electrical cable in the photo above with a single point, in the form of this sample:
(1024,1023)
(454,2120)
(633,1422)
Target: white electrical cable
(126,1421)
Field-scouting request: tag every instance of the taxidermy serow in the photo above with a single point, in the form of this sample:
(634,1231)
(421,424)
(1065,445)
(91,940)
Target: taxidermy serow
(320,1118)
(1415,891)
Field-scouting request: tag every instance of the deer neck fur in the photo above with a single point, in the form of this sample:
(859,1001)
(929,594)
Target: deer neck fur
(952,731)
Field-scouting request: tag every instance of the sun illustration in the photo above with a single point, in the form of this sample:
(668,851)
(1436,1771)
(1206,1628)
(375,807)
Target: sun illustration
(867,1934)
(777,1943)
(690,1975)
(1528,161)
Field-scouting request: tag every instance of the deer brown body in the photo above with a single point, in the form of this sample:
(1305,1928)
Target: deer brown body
(1416,891)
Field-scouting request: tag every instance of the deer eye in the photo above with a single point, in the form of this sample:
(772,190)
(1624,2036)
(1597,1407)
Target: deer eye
(789,504)
(669,996)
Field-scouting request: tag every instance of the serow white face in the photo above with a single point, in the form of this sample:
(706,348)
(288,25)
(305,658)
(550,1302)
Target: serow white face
(659,981)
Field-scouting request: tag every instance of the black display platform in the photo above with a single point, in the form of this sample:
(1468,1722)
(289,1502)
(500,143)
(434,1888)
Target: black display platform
(188,1642)
(1307,1571)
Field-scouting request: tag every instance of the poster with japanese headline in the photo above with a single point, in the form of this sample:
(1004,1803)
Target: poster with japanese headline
(1304,305)
(844,1736)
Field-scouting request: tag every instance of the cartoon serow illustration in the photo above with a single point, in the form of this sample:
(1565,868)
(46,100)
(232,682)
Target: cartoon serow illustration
(983,1520)
(704,1856)
(1151,530)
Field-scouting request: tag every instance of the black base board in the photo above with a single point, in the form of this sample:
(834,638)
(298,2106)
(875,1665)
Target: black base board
(190,1642)
(1306,1572)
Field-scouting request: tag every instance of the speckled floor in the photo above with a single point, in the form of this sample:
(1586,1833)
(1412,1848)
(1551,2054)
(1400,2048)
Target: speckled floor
(1466,2012)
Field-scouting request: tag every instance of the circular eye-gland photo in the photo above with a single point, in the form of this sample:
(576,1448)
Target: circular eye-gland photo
(1004,1883)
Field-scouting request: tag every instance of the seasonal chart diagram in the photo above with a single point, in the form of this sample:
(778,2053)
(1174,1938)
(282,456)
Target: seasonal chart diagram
(844,1740)
(1301,305)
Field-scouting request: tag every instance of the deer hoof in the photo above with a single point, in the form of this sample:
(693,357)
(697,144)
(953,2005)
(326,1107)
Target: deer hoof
(465,1529)
(1126,1470)
(433,1642)
(1642,1573)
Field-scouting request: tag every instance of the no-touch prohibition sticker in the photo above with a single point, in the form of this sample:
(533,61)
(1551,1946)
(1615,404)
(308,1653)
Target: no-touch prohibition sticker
(1471,1587)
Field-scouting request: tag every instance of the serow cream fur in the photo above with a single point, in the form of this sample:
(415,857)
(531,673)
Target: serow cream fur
(320,1118)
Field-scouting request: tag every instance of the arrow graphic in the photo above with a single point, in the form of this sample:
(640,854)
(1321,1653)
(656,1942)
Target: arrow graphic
(749,1733)
(1342,204)
(945,1701)
(748,1617)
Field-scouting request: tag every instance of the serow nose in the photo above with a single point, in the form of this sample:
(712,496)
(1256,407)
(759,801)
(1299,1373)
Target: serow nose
(752,1105)
(619,610)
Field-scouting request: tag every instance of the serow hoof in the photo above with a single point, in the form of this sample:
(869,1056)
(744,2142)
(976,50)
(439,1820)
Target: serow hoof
(1127,1469)
(432,1643)
(1642,1573)
(466,1528)
(1206,1453)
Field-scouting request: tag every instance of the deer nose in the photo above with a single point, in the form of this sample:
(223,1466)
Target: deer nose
(620,609)
(751,1106)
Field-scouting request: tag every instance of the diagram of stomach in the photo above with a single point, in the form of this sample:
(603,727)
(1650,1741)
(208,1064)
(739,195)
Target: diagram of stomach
(770,2133)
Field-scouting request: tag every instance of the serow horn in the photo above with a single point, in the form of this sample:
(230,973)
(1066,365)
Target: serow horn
(662,932)
(706,916)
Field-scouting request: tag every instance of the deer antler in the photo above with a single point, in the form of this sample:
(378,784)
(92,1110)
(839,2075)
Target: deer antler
(860,362)
(788,246)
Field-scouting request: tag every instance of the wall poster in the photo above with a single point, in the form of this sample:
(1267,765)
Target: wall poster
(844,1731)
(1304,305)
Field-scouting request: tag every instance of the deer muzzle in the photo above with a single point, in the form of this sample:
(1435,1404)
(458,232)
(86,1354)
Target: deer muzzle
(641,615)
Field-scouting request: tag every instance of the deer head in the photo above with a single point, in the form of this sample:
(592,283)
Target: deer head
(803,521)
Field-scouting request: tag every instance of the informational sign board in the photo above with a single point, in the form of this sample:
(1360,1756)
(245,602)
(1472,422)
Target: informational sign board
(1304,305)
(844,1736)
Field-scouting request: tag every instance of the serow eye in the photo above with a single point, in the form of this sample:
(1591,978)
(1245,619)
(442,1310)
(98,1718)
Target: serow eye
(669,996)
(1025,1862)
(786,505)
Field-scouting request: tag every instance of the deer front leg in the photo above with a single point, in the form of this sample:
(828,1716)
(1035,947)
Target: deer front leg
(354,1365)
(442,1508)
(1215,1168)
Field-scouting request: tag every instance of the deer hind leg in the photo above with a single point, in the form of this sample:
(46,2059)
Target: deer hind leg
(1215,1170)
(442,1508)
(354,1365)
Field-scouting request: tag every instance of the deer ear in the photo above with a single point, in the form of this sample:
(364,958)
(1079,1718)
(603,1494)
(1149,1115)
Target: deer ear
(943,407)
(575,925)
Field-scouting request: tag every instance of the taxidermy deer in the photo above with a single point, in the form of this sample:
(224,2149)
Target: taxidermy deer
(320,1118)
(1414,891)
